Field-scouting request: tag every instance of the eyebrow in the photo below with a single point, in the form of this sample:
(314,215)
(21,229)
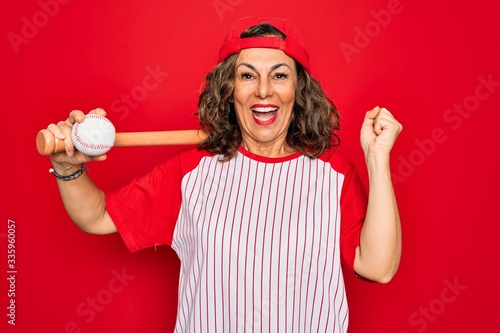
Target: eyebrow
(272,68)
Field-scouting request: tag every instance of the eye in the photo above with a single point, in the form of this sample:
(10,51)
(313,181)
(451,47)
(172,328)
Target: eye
(280,76)
(246,76)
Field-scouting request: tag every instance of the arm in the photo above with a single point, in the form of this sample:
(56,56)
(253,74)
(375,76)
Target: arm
(378,255)
(83,200)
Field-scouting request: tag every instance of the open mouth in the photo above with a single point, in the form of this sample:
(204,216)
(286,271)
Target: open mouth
(264,115)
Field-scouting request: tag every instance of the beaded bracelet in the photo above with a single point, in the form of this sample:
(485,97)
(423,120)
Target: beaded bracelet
(75,175)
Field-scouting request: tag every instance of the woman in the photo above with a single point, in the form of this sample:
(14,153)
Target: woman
(267,215)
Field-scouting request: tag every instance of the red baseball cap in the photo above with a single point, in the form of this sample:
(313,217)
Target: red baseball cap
(293,45)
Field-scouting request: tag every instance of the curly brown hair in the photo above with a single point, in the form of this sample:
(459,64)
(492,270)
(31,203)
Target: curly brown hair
(314,119)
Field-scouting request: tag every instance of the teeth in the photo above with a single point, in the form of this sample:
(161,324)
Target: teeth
(264,109)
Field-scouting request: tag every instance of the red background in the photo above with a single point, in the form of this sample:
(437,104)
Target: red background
(420,61)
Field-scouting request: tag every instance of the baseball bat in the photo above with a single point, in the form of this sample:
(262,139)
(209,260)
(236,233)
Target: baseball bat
(47,143)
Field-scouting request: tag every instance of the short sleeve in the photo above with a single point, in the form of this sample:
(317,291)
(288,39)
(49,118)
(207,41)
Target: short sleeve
(145,210)
(353,204)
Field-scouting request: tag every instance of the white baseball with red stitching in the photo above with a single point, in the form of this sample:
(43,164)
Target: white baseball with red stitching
(95,136)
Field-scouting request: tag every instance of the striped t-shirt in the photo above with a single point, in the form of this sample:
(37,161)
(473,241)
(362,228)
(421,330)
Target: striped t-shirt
(260,240)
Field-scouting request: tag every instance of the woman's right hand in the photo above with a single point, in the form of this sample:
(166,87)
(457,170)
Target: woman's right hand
(71,159)
(85,202)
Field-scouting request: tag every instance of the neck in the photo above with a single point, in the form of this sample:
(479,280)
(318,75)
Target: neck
(273,149)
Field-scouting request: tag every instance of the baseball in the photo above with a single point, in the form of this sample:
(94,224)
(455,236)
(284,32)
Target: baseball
(95,136)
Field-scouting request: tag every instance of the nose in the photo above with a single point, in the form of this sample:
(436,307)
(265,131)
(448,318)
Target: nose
(264,88)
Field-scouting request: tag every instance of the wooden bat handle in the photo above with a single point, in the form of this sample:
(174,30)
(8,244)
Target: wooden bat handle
(47,144)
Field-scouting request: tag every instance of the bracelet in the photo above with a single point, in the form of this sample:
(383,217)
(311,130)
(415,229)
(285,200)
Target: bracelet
(75,175)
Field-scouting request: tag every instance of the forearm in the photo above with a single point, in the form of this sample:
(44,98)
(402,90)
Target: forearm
(379,253)
(83,200)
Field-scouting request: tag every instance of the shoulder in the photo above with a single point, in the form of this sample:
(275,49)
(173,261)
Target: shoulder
(338,160)
(193,153)
(187,159)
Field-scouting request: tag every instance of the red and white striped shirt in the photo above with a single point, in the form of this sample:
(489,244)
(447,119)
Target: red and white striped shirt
(260,240)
